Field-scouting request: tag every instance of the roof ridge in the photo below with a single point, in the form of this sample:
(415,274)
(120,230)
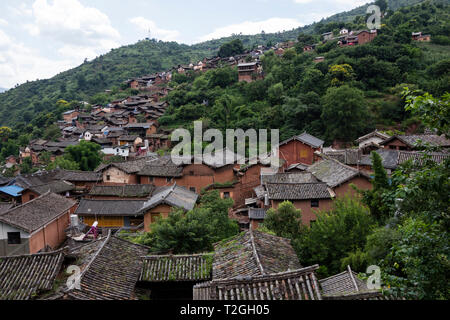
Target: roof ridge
(255,252)
(59,251)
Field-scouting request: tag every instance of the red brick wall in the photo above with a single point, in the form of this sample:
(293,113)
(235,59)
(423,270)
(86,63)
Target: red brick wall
(297,152)
(346,189)
(308,214)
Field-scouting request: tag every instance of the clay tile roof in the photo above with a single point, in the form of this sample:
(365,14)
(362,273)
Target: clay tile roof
(177,268)
(110,207)
(389,158)
(38,212)
(24,277)
(57,186)
(333,172)
(300,284)
(298,191)
(80,176)
(127,191)
(307,139)
(419,157)
(112,273)
(302,177)
(253,253)
(344,283)
(161,167)
(129,167)
(412,140)
(375,133)
(174,196)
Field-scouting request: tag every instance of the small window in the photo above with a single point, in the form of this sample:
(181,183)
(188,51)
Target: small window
(314,203)
(169,179)
(193,189)
(14,238)
(108,178)
(226,195)
(31,197)
(152,179)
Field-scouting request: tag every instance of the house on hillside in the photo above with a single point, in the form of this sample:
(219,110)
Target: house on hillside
(417,36)
(300,149)
(411,142)
(250,71)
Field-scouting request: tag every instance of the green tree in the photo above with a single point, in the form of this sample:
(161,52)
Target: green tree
(231,48)
(195,231)
(344,113)
(335,234)
(285,222)
(63,163)
(86,154)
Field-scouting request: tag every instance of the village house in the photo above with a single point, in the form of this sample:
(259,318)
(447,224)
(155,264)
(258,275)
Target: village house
(164,200)
(121,173)
(417,36)
(141,129)
(71,115)
(307,197)
(327,36)
(118,207)
(340,177)
(250,71)
(11,194)
(60,187)
(300,149)
(35,225)
(371,141)
(412,142)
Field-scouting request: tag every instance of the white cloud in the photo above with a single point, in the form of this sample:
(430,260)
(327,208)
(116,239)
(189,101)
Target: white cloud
(3,22)
(19,63)
(146,25)
(73,31)
(74,25)
(254,27)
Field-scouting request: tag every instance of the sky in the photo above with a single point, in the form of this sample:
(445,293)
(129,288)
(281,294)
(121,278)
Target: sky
(40,38)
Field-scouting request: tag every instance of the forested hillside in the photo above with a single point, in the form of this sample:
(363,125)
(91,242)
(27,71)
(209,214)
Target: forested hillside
(354,90)
(28,100)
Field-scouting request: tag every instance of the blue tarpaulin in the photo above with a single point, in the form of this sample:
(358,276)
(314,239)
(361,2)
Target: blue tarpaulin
(14,191)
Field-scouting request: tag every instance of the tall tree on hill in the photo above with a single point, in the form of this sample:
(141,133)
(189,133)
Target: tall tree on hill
(344,113)
(231,48)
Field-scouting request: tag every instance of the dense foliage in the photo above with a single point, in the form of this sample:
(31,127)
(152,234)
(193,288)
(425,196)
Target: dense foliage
(195,231)
(356,88)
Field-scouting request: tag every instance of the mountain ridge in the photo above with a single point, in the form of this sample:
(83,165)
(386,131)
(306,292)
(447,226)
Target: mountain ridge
(146,56)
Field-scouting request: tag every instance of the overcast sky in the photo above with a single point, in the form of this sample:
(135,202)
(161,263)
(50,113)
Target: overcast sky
(40,38)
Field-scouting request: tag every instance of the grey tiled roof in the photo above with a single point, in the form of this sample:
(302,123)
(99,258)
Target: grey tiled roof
(38,212)
(24,277)
(389,158)
(80,176)
(161,167)
(411,140)
(296,191)
(344,283)
(129,167)
(57,186)
(292,285)
(307,139)
(127,191)
(110,207)
(174,196)
(177,268)
(253,253)
(333,172)
(112,273)
(302,177)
